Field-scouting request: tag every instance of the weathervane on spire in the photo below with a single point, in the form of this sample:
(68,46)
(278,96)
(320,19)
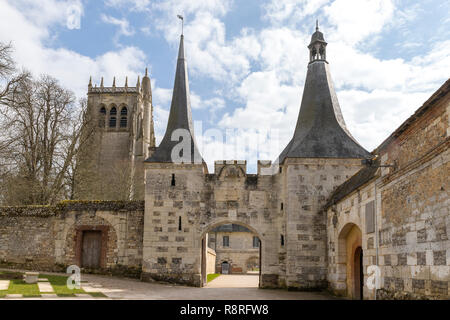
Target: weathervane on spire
(182,22)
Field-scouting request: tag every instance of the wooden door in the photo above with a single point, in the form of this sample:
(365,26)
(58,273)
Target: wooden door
(225,268)
(91,249)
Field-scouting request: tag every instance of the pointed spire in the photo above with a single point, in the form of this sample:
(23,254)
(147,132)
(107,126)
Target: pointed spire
(146,85)
(101,83)
(318,46)
(114,82)
(321,131)
(180,117)
(90,82)
(126,82)
(138,83)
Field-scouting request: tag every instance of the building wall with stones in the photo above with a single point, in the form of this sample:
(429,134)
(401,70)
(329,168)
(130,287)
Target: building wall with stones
(307,185)
(50,237)
(240,253)
(412,222)
(201,202)
(293,235)
(210,261)
(27,236)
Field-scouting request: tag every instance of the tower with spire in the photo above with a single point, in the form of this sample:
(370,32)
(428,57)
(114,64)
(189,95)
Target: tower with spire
(176,168)
(321,154)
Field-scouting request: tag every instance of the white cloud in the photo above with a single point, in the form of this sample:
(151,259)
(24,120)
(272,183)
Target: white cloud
(134,5)
(30,36)
(291,11)
(261,71)
(354,20)
(123,24)
(46,12)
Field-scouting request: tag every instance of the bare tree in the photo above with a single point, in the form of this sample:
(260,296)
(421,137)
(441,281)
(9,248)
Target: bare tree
(42,128)
(8,75)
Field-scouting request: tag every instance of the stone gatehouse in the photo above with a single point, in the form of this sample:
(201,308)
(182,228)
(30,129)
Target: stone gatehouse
(325,210)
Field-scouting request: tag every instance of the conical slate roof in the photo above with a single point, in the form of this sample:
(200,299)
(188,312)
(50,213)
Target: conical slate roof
(180,117)
(321,131)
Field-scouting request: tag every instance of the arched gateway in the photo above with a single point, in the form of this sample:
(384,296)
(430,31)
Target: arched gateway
(282,206)
(204,246)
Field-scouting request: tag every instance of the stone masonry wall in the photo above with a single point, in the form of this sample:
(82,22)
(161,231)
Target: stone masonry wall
(27,236)
(47,238)
(240,252)
(204,201)
(412,214)
(308,183)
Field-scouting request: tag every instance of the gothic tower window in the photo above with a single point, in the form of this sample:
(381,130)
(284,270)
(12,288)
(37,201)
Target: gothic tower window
(102,117)
(123,117)
(112,117)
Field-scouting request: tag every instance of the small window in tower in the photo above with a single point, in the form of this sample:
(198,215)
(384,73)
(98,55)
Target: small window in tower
(124,111)
(179,223)
(255,242)
(282,240)
(281,207)
(281,169)
(113,111)
(226,241)
(173,180)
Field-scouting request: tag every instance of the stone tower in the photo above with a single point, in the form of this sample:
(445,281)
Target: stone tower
(176,169)
(321,155)
(119,137)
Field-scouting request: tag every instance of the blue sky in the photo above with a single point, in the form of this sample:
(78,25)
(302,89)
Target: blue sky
(246,59)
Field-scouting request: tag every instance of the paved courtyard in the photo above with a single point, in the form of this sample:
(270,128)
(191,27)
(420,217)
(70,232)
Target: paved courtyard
(235,281)
(224,288)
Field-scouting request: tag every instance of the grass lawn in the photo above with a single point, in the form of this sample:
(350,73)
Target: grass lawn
(59,284)
(212,276)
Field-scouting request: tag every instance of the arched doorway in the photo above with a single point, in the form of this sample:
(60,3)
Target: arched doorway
(350,255)
(232,244)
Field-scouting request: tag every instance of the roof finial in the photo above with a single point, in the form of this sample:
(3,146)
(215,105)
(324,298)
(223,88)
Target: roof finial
(317,24)
(146,72)
(182,22)
(90,82)
(126,81)
(114,82)
(101,83)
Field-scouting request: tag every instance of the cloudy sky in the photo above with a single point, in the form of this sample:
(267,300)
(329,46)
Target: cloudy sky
(247,59)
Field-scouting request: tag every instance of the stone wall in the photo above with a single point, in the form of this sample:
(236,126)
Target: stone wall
(50,237)
(240,253)
(27,236)
(204,201)
(210,261)
(307,185)
(409,237)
